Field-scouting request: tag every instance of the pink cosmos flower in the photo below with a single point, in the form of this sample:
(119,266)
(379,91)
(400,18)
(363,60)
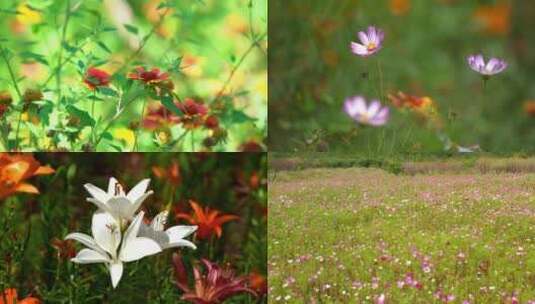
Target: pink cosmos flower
(380,299)
(375,114)
(492,67)
(370,42)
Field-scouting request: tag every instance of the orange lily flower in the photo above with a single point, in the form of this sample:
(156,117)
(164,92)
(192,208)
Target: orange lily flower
(209,220)
(10,297)
(15,169)
(171,174)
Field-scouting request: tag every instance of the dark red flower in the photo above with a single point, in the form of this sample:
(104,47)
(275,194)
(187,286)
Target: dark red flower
(153,76)
(211,122)
(214,286)
(96,78)
(194,113)
(5,102)
(159,117)
(251,146)
(65,248)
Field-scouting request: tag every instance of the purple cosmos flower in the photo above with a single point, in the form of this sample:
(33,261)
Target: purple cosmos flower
(492,67)
(375,114)
(370,42)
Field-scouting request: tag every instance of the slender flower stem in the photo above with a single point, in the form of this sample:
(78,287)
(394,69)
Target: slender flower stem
(192,141)
(237,66)
(136,134)
(60,56)
(14,80)
(113,119)
(381,84)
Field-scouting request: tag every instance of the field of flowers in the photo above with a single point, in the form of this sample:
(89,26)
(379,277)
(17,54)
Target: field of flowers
(117,75)
(402,76)
(133,228)
(361,235)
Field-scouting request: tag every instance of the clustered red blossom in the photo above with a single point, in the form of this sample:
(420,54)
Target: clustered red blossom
(95,78)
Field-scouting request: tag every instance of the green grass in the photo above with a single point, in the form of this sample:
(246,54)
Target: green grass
(332,232)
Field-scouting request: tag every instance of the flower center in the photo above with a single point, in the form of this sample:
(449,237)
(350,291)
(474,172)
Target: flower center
(372,46)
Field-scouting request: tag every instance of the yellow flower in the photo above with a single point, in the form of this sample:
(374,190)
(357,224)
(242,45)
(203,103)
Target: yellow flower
(126,135)
(27,15)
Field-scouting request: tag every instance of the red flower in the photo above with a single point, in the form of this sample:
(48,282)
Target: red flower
(65,248)
(194,113)
(211,122)
(96,78)
(5,102)
(10,297)
(214,286)
(258,283)
(153,76)
(171,174)
(251,146)
(158,117)
(208,220)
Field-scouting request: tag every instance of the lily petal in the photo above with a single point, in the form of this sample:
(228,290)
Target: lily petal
(139,248)
(97,193)
(116,272)
(106,232)
(89,256)
(138,190)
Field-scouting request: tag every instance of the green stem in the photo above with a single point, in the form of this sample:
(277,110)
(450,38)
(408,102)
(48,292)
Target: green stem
(192,141)
(113,119)
(135,148)
(381,84)
(60,57)
(237,66)
(14,80)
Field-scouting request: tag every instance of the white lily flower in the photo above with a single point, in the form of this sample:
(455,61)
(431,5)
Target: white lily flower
(103,247)
(172,237)
(120,205)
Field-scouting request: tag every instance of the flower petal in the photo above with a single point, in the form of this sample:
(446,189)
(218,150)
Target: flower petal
(138,248)
(134,205)
(97,193)
(359,49)
(180,232)
(89,256)
(84,239)
(138,190)
(116,272)
(354,106)
(106,232)
(363,38)
(112,186)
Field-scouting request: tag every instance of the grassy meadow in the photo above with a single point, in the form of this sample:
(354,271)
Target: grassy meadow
(444,233)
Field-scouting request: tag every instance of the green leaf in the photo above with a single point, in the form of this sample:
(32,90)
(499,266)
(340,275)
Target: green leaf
(107,91)
(34,56)
(167,101)
(103,46)
(85,118)
(132,29)
(237,116)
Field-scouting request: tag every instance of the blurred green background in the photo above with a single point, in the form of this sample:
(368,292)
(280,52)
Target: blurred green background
(312,71)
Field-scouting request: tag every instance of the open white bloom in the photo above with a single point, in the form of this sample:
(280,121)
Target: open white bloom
(172,237)
(120,205)
(106,247)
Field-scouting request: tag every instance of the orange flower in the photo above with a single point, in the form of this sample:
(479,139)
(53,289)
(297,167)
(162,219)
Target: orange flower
(258,283)
(10,297)
(529,107)
(208,220)
(401,100)
(495,19)
(14,169)
(171,174)
(400,7)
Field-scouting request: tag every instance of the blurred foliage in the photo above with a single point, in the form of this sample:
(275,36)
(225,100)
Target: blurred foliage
(215,52)
(32,226)
(312,71)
